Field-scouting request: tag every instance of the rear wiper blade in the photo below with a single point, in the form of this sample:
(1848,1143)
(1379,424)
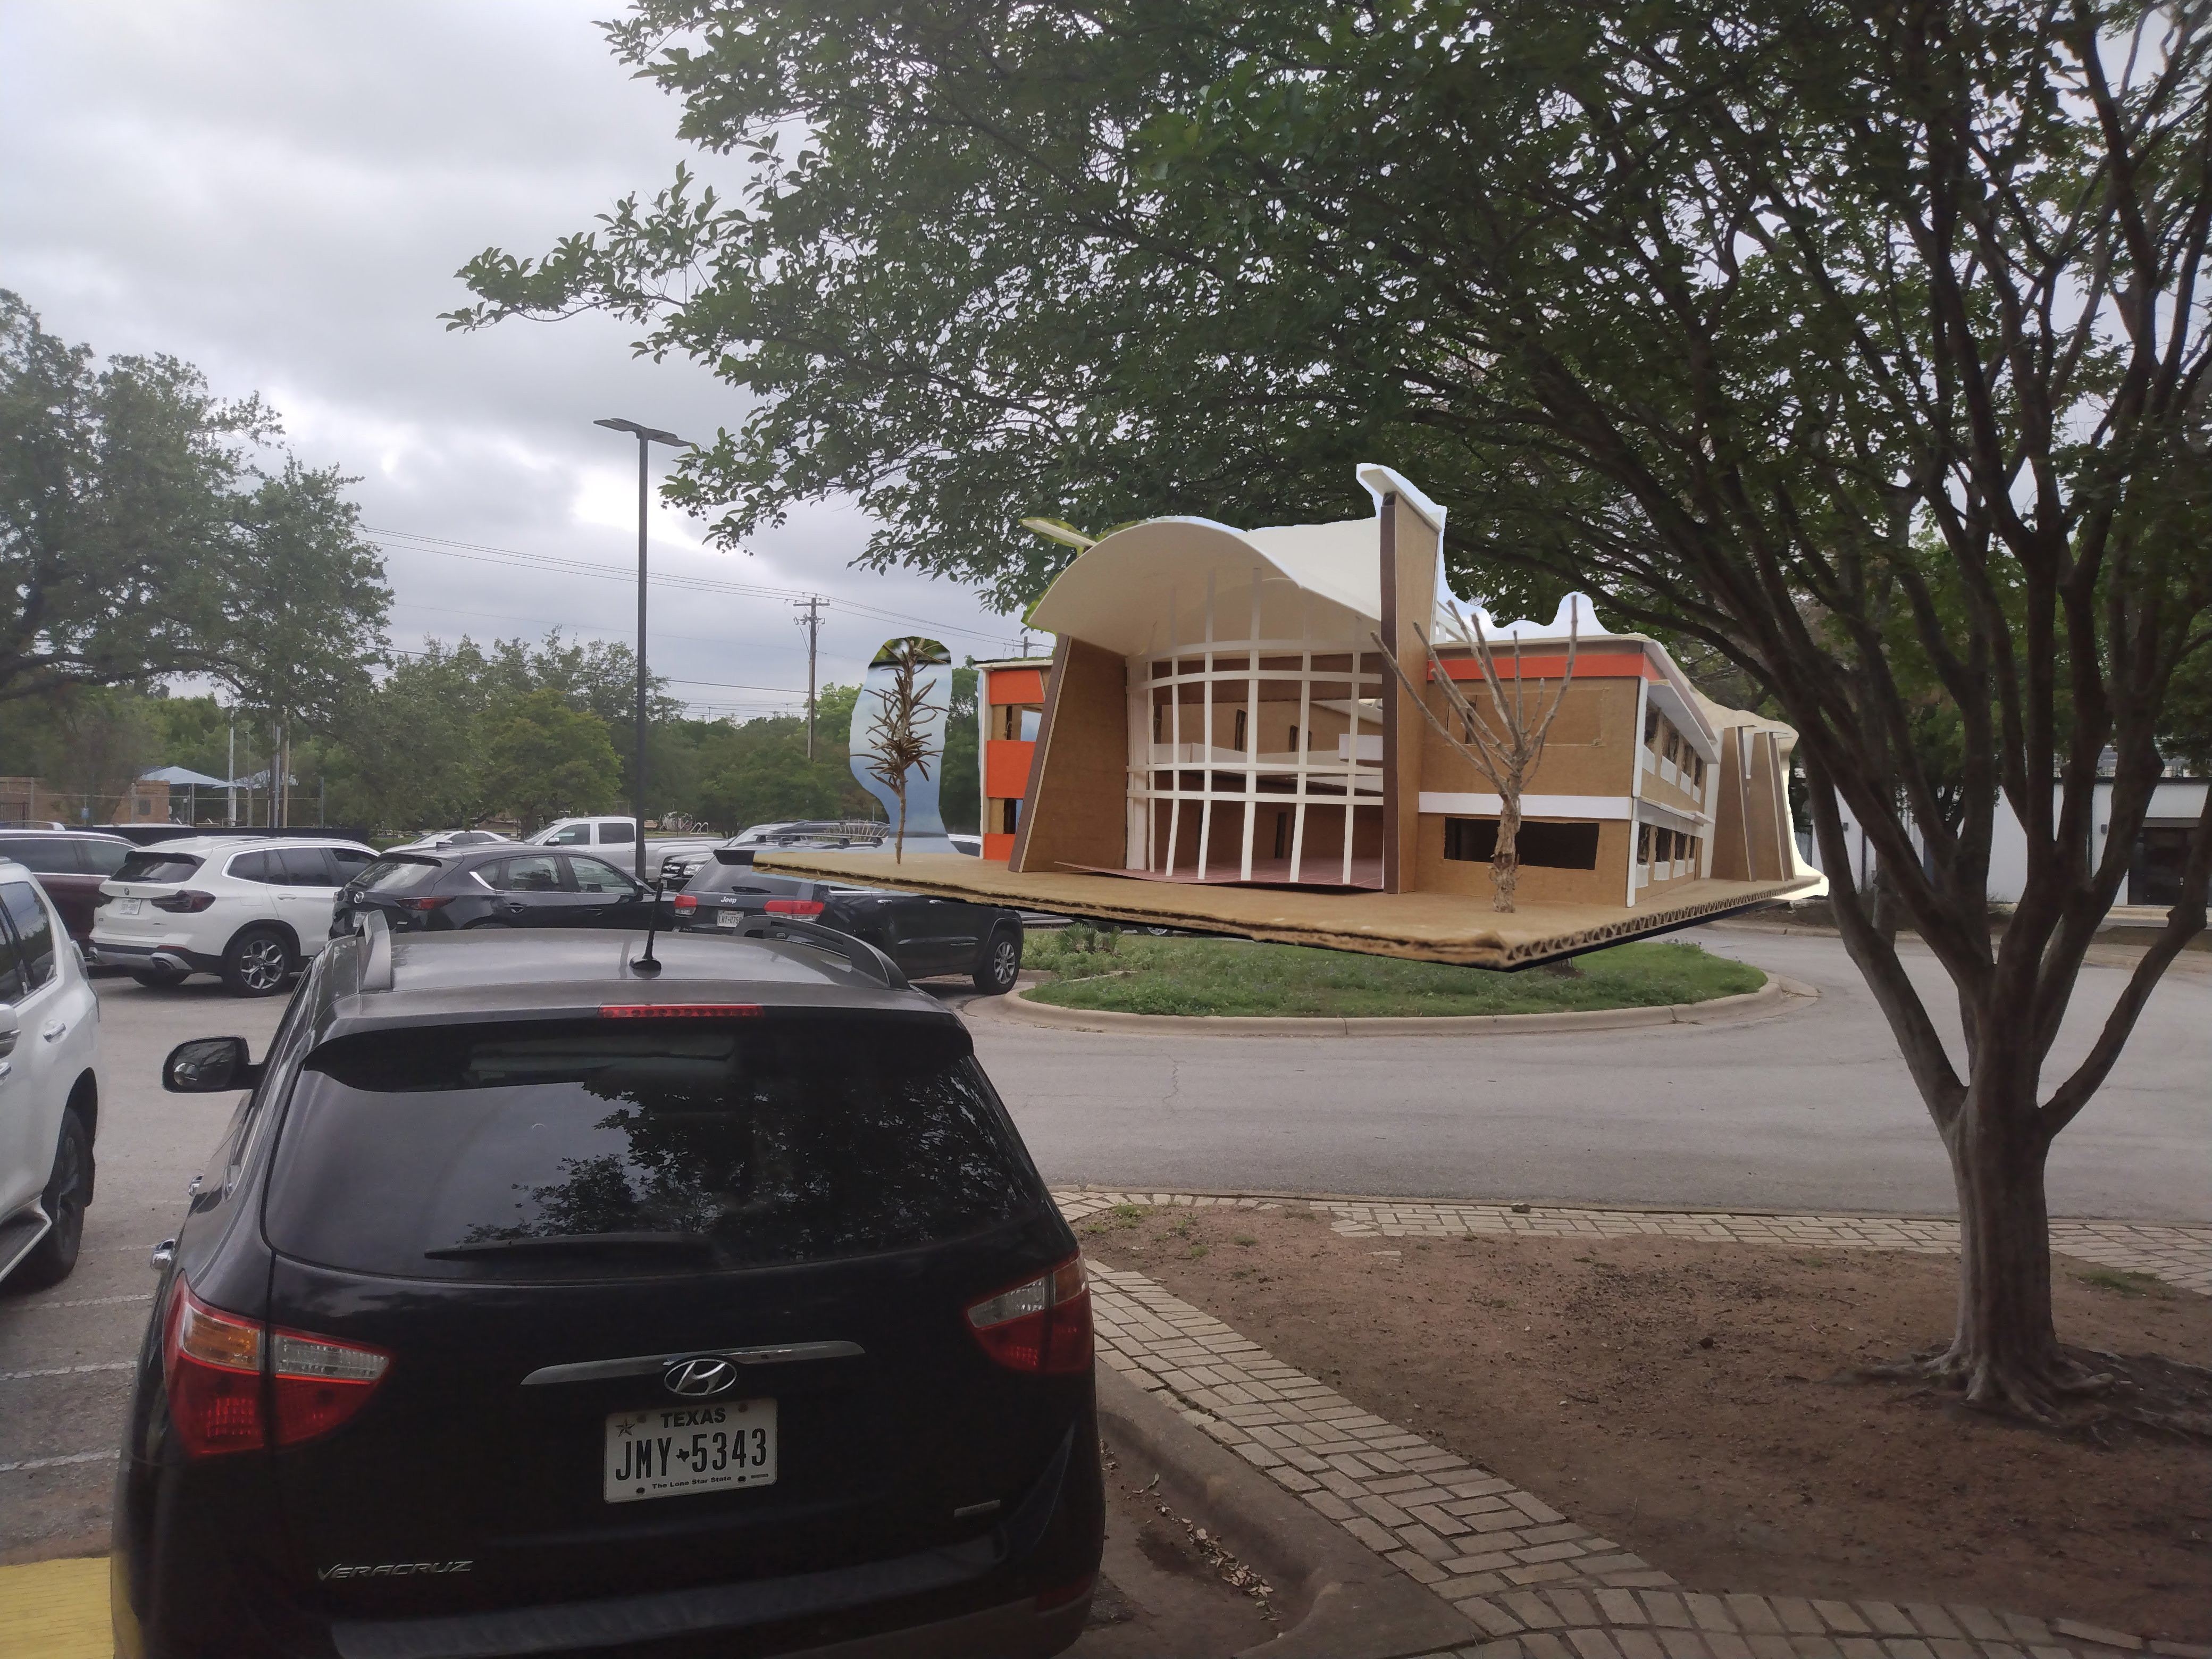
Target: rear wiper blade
(689,1244)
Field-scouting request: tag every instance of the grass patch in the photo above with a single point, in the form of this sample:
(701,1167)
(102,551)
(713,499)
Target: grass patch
(1143,976)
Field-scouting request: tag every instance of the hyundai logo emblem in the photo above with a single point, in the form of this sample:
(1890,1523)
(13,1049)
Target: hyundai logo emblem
(696,1379)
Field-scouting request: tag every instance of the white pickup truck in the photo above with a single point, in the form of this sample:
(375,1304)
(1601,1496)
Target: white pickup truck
(615,839)
(49,1086)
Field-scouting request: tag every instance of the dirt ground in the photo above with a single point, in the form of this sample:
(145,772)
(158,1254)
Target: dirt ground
(1674,1396)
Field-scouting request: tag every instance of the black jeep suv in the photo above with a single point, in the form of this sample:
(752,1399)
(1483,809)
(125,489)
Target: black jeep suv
(541,1301)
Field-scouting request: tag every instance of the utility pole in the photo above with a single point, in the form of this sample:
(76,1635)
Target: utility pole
(230,778)
(811,621)
(646,437)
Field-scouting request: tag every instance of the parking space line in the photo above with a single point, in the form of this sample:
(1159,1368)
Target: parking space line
(26,1464)
(67,1370)
(87,1301)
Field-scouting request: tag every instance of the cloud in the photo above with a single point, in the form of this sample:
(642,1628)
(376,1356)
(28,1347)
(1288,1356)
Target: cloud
(282,193)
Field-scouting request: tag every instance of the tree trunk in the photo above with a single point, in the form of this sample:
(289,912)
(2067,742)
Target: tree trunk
(2004,1354)
(898,835)
(1505,859)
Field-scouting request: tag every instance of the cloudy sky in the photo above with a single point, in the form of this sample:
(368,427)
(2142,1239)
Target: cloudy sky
(280,191)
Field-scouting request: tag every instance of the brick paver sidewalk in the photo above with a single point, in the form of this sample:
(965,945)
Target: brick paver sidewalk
(1540,1585)
(2178,1253)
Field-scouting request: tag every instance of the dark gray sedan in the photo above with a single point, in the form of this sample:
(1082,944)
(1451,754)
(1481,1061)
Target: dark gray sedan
(925,936)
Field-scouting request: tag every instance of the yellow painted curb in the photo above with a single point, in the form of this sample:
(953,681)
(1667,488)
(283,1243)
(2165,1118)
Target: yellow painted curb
(55,1610)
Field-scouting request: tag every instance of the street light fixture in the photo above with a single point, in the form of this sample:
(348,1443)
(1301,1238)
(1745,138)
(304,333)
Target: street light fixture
(646,437)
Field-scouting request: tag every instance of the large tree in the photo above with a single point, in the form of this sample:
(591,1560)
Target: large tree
(304,605)
(1860,348)
(117,484)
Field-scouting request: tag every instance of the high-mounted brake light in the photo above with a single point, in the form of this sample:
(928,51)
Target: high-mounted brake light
(214,1364)
(794,906)
(680,1010)
(187,902)
(1042,1325)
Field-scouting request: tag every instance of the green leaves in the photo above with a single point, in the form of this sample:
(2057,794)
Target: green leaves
(139,539)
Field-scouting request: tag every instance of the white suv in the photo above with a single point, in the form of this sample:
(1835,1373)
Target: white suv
(49,1085)
(250,910)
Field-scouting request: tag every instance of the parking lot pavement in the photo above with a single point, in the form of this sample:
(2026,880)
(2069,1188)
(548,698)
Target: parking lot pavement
(65,1353)
(1810,1111)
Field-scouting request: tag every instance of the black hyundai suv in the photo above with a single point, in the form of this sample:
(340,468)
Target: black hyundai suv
(544,1297)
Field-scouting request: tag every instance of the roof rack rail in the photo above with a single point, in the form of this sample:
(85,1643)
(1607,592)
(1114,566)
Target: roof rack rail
(376,969)
(863,956)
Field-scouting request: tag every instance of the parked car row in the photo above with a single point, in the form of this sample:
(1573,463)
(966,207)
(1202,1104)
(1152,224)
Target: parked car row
(254,911)
(466,889)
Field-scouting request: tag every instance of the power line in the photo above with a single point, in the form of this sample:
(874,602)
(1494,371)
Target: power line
(482,553)
(579,628)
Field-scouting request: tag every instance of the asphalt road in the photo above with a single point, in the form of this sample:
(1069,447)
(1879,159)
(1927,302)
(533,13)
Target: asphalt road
(1807,1111)
(1811,1110)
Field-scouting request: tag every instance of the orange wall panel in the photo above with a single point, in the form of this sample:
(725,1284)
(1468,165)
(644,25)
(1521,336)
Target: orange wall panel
(1006,768)
(1588,665)
(998,846)
(1023,685)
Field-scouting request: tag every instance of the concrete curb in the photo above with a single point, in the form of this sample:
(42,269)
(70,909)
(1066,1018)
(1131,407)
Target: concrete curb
(1350,1603)
(1772,997)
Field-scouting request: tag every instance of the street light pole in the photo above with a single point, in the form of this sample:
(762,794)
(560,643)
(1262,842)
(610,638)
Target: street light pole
(646,437)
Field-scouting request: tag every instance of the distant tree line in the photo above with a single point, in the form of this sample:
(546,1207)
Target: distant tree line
(462,734)
(151,533)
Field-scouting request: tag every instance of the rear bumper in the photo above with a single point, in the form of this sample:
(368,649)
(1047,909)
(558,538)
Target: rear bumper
(1016,1631)
(1013,1631)
(102,953)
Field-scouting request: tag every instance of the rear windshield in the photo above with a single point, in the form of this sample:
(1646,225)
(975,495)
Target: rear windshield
(590,1149)
(105,857)
(716,877)
(395,875)
(158,867)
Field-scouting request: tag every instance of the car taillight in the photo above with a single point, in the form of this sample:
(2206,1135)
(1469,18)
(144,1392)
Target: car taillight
(319,1384)
(214,1370)
(214,1363)
(686,903)
(186,902)
(1042,1325)
(423,903)
(793,906)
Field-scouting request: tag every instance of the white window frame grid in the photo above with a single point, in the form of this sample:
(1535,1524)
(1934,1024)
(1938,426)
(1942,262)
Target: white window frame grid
(1360,779)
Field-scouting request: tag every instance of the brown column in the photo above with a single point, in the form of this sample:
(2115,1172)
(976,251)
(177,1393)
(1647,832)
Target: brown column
(1075,810)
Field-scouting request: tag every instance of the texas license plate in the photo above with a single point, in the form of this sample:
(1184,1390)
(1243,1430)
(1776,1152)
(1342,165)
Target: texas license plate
(678,1449)
(127,907)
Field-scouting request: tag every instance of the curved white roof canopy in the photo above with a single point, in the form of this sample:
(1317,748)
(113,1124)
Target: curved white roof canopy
(1318,581)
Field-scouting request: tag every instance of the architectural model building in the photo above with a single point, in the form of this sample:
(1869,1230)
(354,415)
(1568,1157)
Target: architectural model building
(1219,741)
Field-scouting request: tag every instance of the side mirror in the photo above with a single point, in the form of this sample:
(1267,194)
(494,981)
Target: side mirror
(210,1065)
(10,1028)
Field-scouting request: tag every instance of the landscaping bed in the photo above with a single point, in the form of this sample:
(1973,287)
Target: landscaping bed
(1135,974)
(1676,1397)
